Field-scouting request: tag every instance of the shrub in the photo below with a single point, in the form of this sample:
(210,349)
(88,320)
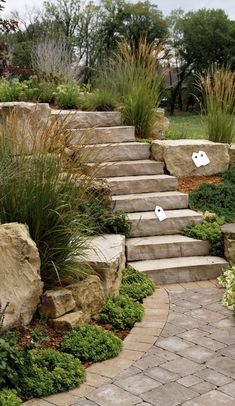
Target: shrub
(100,100)
(219,199)
(91,343)
(218,89)
(67,96)
(12,363)
(135,284)
(10,90)
(9,397)
(121,311)
(229,176)
(227,280)
(209,230)
(117,223)
(52,372)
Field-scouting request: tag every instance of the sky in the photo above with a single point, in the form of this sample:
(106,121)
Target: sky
(164,5)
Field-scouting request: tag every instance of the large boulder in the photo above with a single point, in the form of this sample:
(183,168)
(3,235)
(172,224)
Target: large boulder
(107,257)
(160,127)
(21,284)
(25,124)
(229,242)
(232,155)
(177,155)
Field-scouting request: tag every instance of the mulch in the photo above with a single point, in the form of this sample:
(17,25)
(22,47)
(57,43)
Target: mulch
(187,184)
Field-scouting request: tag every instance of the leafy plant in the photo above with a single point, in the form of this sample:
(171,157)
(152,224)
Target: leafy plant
(67,96)
(12,364)
(99,100)
(227,280)
(9,397)
(118,223)
(38,336)
(91,343)
(209,230)
(218,89)
(121,311)
(135,284)
(51,372)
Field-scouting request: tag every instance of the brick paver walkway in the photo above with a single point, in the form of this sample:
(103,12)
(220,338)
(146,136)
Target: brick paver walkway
(192,362)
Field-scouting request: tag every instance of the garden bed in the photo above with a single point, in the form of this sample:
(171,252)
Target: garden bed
(187,184)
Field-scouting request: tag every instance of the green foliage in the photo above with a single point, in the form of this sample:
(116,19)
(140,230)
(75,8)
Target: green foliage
(29,90)
(67,96)
(38,336)
(229,176)
(227,280)
(135,284)
(209,230)
(33,193)
(9,397)
(10,90)
(218,90)
(121,311)
(91,343)
(100,100)
(12,363)
(51,372)
(118,223)
(219,199)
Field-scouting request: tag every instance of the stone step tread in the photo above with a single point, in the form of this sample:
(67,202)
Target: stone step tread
(159,239)
(150,215)
(128,143)
(156,195)
(164,246)
(131,163)
(121,151)
(140,177)
(176,263)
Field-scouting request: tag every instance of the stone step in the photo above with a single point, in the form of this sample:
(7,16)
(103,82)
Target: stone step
(147,224)
(184,269)
(141,184)
(129,168)
(165,246)
(148,201)
(73,119)
(102,135)
(125,151)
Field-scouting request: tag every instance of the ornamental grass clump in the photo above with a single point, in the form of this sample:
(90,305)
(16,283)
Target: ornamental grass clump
(218,91)
(91,343)
(132,77)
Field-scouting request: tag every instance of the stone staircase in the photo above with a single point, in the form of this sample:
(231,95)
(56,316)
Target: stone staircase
(137,185)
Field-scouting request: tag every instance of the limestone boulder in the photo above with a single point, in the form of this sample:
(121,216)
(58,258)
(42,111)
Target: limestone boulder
(87,119)
(107,257)
(161,125)
(232,155)
(229,242)
(21,284)
(88,296)
(26,123)
(66,322)
(56,303)
(177,155)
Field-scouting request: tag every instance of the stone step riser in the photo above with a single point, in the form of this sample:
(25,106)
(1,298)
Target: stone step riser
(148,203)
(167,250)
(189,273)
(102,135)
(146,185)
(129,168)
(132,151)
(148,227)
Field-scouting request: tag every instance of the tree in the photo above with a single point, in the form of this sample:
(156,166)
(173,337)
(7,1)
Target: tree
(6,26)
(197,40)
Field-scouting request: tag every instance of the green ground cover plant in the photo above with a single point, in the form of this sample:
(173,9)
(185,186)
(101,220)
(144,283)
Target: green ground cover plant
(32,89)
(121,311)
(9,397)
(227,280)
(99,100)
(91,343)
(67,96)
(209,229)
(135,284)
